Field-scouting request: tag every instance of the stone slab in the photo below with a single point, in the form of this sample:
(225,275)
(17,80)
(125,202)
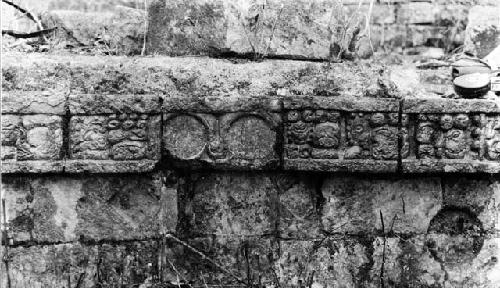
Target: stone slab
(237,204)
(32,167)
(221,104)
(330,165)
(353,204)
(75,264)
(342,103)
(33,102)
(97,104)
(55,209)
(243,140)
(440,105)
(115,137)
(109,166)
(449,166)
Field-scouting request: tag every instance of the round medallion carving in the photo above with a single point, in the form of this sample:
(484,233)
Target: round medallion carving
(185,137)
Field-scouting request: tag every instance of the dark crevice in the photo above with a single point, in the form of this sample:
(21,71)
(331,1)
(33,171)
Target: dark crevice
(400,137)
(251,56)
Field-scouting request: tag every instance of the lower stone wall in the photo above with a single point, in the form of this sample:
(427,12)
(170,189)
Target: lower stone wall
(251,228)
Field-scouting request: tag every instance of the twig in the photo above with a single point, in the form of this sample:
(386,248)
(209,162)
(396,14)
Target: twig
(383,252)
(23,35)
(273,30)
(5,258)
(204,257)
(28,14)
(143,51)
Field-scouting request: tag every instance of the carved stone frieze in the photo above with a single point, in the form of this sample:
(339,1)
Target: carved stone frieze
(239,139)
(31,137)
(115,137)
(448,136)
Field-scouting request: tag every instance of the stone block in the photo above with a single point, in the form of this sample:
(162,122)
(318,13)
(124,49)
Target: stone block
(119,31)
(301,29)
(230,204)
(328,263)
(31,137)
(33,102)
(76,265)
(229,261)
(116,136)
(50,266)
(341,134)
(298,207)
(93,104)
(240,140)
(354,205)
(60,209)
(476,198)
(412,263)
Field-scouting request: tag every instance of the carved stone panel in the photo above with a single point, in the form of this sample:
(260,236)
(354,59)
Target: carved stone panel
(114,137)
(31,137)
(312,134)
(237,139)
(448,136)
(372,136)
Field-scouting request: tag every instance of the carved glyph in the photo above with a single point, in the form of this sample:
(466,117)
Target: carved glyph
(117,137)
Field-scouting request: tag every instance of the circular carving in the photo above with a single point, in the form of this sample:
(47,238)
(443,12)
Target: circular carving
(250,138)
(455,235)
(185,137)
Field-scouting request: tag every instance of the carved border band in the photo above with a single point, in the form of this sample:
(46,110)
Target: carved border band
(44,132)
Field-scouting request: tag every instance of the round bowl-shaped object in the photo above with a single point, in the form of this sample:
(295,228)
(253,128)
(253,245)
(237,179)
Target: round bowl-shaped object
(468,66)
(473,85)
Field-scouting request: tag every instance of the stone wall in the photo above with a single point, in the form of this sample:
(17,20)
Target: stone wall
(147,172)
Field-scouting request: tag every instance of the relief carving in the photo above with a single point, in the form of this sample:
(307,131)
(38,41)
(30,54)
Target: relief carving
(312,134)
(117,137)
(448,136)
(372,136)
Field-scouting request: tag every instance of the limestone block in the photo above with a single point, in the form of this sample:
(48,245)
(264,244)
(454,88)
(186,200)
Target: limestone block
(329,263)
(412,263)
(354,205)
(33,102)
(73,264)
(31,137)
(341,134)
(97,208)
(119,31)
(417,13)
(300,29)
(231,204)
(298,207)
(244,260)
(236,139)
(478,199)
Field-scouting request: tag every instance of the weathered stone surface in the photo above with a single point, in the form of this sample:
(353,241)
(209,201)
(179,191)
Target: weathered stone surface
(237,140)
(354,205)
(221,104)
(482,34)
(298,207)
(440,105)
(244,260)
(231,204)
(192,76)
(93,104)
(477,197)
(410,263)
(320,135)
(327,263)
(116,136)
(33,102)
(132,264)
(59,209)
(31,137)
(30,167)
(119,31)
